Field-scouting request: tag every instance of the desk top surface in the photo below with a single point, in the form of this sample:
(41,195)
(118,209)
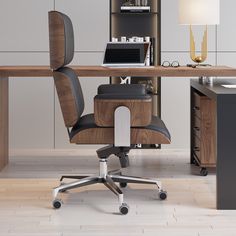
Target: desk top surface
(216,89)
(100,71)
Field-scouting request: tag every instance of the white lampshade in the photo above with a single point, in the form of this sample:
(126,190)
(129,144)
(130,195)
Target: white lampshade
(199,12)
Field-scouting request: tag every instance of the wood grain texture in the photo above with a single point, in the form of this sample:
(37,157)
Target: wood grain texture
(56,39)
(204,129)
(25,71)
(140,110)
(4,122)
(156,71)
(191,206)
(197,127)
(197,105)
(208,131)
(66,99)
(99,71)
(106,136)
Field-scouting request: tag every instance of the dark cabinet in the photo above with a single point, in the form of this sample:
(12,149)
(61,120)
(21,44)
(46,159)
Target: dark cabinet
(203,131)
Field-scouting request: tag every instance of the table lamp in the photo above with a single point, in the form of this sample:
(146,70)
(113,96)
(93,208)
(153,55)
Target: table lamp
(199,12)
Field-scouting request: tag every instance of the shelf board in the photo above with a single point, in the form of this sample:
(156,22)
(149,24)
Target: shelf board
(135,13)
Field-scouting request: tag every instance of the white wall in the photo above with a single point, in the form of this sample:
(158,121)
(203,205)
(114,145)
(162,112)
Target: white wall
(24,40)
(35,117)
(175,46)
(175,100)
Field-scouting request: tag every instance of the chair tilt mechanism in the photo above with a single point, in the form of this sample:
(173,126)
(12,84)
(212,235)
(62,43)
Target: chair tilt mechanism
(122,118)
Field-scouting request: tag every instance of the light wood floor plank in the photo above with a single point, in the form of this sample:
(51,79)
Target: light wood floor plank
(26,193)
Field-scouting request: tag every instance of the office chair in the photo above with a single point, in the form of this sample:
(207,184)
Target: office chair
(122,117)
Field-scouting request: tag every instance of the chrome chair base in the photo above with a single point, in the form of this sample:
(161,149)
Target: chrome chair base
(108,179)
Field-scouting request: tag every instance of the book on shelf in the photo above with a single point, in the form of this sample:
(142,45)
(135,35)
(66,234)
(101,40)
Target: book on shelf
(152,51)
(150,60)
(134,9)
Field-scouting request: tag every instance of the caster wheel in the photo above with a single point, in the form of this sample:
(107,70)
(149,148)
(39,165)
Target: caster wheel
(163,195)
(203,172)
(123,185)
(57,203)
(195,163)
(124,209)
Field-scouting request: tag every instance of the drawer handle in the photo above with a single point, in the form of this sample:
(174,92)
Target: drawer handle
(196,108)
(196,149)
(196,128)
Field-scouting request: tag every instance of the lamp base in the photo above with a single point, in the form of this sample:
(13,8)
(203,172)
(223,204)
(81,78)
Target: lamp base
(198,65)
(202,57)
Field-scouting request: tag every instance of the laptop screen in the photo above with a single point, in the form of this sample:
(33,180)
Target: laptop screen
(125,53)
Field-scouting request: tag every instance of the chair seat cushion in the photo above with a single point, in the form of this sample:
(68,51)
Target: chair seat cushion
(85,122)
(131,89)
(88,122)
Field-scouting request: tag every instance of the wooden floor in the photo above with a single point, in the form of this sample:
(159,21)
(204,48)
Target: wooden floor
(25,197)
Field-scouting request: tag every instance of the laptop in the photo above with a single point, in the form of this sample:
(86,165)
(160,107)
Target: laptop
(130,54)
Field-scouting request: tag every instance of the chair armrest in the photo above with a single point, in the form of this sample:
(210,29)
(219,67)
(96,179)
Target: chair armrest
(140,107)
(122,89)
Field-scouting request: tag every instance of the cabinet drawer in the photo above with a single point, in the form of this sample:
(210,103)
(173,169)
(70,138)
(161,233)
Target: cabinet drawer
(197,127)
(197,147)
(197,104)
(203,129)
(201,104)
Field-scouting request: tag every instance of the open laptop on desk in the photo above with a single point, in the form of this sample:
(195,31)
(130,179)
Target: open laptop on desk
(119,54)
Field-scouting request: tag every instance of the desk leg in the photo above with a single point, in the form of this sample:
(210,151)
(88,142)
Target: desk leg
(226,152)
(3,122)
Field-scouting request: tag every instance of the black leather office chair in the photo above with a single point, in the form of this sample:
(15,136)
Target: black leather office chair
(122,116)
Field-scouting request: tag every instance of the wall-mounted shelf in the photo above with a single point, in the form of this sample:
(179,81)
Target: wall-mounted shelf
(135,13)
(140,24)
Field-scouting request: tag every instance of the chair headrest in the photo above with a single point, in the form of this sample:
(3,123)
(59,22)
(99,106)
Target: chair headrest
(61,40)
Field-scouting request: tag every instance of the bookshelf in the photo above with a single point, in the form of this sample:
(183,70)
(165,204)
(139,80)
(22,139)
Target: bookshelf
(140,24)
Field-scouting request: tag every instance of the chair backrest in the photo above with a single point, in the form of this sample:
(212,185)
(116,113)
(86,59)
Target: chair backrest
(61,39)
(70,95)
(61,42)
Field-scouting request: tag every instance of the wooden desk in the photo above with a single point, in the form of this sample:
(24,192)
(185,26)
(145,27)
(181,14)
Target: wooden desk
(98,71)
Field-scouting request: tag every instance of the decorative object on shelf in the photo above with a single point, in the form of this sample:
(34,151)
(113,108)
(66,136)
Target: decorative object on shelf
(139,6)
(137,2)
(199,12)
(135,9)
(152,51)
(125,80)
(114,40)
(128,3)
(148,58)
(149,86)
(123,39)
(144,2)
(136,39)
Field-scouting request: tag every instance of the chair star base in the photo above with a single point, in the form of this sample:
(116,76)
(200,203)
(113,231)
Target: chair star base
(108,179)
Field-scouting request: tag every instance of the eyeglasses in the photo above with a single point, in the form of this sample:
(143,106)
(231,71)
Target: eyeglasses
(170,64)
